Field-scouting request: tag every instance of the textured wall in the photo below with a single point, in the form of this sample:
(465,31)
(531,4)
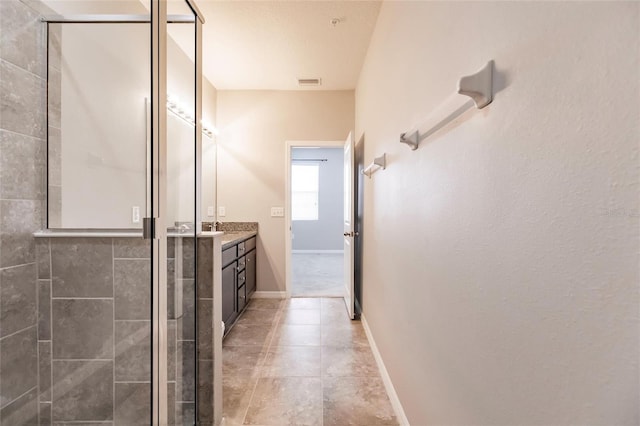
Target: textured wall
(501,257)
(22,168)
(254,128)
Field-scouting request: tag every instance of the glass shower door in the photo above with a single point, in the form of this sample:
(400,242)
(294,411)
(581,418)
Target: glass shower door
(99,275)
(181,220)
(118,339)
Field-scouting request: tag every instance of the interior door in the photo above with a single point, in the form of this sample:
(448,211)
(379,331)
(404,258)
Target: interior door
(349,231)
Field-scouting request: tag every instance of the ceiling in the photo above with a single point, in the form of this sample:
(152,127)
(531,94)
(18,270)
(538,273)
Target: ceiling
(268,45)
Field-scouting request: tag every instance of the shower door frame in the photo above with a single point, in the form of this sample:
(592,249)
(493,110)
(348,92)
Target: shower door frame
(159,21)
(157,205)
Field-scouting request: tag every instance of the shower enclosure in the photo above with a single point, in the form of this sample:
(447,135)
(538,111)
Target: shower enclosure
(123,336)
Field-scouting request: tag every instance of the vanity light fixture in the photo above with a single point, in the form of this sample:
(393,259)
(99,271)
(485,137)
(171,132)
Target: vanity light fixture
(176,107)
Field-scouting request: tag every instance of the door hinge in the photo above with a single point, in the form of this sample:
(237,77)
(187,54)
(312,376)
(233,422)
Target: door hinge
(149,228)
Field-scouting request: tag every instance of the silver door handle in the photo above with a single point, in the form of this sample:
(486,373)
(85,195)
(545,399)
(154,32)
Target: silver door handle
(351,234)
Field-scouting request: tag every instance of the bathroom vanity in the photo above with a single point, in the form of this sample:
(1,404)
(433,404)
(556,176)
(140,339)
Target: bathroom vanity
(238,273)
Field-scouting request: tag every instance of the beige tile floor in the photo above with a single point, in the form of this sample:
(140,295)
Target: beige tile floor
(301,362)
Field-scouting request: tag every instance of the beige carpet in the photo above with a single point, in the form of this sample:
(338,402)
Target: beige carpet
(317,274)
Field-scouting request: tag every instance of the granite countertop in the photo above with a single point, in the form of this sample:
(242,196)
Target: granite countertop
(234,237)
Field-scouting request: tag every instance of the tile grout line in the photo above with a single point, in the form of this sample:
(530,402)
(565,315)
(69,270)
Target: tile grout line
(81,360)
(38,390)
(18,397)
(50,326)
(113,310)
(84,298)
(18,331)
(16,266)
(23,69)
(13,132)
(175,372)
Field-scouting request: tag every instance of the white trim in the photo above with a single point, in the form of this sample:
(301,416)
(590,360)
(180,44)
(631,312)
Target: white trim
(287,206)
(318,251)
(388,384)
(269,295)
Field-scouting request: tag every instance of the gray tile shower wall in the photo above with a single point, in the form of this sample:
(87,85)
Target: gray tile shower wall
(94,331)
(22,195)
(205,331)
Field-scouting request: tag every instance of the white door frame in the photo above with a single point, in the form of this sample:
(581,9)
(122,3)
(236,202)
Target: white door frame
(287,193)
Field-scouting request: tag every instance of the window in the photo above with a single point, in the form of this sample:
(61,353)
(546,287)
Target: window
(304,191)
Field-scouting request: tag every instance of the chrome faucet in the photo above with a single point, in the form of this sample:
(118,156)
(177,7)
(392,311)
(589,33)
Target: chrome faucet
(217,225)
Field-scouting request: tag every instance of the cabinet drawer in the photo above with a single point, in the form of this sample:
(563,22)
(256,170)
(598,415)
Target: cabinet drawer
(241,248)
(229,255)
(241,278)
(250,244)
(241,262)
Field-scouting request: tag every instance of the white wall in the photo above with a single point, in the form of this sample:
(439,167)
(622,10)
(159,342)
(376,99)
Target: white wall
(326,232)
(105,84)
(105,81)
(501,257)
(254,127)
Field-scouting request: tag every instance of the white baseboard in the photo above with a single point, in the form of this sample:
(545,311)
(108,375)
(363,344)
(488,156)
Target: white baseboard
(317,251)
(391,391)
(269,295)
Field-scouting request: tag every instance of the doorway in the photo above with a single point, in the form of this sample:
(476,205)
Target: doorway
(315,256)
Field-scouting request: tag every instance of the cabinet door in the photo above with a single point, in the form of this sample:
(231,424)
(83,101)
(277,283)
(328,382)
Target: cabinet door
(250,274)
(228,293)
(242,297)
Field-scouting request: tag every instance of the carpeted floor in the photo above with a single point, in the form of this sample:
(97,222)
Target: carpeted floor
(317,274)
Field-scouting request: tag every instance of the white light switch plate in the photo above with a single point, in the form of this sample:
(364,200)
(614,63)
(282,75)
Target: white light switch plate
(222,212)
(277,211)
(210,211)
(135,214)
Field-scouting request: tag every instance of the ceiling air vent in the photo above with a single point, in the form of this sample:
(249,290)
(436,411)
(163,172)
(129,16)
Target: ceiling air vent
(309,82)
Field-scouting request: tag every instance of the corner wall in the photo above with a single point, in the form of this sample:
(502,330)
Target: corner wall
(254,128)
(501,257)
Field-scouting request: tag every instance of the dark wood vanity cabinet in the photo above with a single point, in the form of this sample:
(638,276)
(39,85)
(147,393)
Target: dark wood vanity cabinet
(229,293)
(238,279)
(251,272)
